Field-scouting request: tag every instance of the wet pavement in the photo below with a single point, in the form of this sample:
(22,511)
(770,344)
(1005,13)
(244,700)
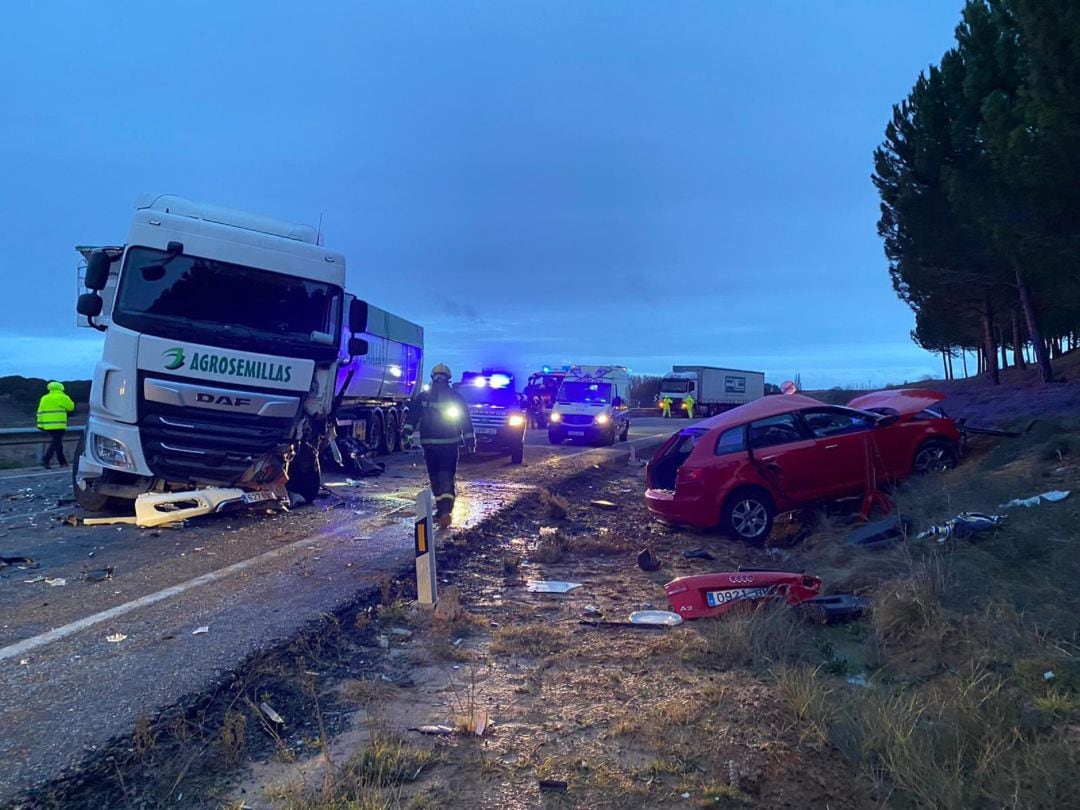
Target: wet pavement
(254,579)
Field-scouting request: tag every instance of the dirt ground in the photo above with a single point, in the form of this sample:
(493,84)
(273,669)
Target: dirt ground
(940,692)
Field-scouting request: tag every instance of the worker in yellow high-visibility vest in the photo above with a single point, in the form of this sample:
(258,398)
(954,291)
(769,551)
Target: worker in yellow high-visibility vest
(52,417)
(688,403)
(665,407)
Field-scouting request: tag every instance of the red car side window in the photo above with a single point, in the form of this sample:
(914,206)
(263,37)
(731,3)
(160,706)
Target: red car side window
(782,429)
(731,441)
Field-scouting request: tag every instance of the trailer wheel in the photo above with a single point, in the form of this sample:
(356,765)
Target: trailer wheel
(388,438)
(396,417)
(375,439)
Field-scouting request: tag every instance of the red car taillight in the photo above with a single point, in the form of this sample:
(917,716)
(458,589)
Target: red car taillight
(689,476)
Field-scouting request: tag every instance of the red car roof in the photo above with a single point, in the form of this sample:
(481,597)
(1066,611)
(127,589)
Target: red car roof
(759,409)
(904,401)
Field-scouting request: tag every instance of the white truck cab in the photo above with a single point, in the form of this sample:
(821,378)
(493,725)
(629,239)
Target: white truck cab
(593,405)
(223,331)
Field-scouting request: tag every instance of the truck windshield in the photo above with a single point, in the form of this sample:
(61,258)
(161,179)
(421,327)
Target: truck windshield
(475,395)
(676,386)
(588,393)
(159,291)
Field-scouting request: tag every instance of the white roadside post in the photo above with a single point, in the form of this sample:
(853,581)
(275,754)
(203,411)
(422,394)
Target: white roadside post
(423,537)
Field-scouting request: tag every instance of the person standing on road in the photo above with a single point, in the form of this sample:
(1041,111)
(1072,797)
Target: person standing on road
(52,416)
(665,407)
(442,419)
(689,403)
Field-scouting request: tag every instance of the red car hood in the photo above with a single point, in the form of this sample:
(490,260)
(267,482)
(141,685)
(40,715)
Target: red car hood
(904,401)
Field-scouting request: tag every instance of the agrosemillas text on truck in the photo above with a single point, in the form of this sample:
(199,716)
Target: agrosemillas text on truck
(223,336)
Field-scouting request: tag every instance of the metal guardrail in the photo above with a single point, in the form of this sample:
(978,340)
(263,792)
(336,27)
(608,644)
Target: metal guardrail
(12,437)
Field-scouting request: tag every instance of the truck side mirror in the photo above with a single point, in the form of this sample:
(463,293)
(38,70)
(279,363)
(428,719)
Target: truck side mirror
(89,305)
(358,317)
(97,270)
(358,347)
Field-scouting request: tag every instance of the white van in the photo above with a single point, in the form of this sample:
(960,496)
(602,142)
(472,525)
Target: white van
(593,405)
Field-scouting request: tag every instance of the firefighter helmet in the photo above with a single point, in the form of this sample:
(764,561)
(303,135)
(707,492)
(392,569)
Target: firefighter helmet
(441,370)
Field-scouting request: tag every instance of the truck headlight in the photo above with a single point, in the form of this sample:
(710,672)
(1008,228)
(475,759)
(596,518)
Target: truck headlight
(556,417)
(517,420)
(113,453)
(602,419)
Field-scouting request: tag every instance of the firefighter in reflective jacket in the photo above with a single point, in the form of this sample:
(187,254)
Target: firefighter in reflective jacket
(442,418)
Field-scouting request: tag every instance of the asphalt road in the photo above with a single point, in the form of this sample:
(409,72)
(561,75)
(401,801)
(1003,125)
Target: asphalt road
(252,579)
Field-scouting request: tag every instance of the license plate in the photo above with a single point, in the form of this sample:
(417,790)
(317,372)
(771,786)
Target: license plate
(258,497)
(487,430)
(575,433)
(716,598)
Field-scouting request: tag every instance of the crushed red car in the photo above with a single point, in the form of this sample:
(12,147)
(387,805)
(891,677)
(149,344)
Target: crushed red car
(741,468)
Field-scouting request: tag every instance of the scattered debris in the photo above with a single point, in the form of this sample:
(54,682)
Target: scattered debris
(548,531)
(34,580)
(602,504)
(100,575)
(1049,675)
(858,680)
(703,595)
(834,608)
(549,586)
(400,632)
(198,631)
(698,554)
(271,715)
(383,641)
(647,561)
(592,610)
(475,723)
(55,583)
(962,527)
(439,730)
(16,560)
(664,618)
(116,638)
(156,509)
(886,530)
(24,662)
(553,786)
(1051,497)
(448,607)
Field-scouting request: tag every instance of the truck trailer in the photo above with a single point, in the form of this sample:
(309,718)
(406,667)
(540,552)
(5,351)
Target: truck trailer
(714,389)
(225,333)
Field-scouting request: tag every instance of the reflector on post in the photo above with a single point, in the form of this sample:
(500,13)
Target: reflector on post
(424,545)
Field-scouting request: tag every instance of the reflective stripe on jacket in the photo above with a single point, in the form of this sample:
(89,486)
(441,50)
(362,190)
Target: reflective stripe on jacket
(441,416)
(53,410)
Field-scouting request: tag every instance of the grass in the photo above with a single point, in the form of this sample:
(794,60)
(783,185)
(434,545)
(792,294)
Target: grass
(752,638)
(553,505)
(528,641)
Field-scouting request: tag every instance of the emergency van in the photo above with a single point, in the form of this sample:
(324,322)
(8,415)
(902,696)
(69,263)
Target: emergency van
(593,405)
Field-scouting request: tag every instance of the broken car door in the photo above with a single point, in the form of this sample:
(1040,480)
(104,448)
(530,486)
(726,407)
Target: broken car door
(786,458)
(841,434)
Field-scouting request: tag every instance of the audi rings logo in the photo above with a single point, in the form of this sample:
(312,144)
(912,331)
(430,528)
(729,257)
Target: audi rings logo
(741,579)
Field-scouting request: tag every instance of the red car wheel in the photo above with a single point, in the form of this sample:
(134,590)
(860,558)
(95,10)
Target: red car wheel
(748,515)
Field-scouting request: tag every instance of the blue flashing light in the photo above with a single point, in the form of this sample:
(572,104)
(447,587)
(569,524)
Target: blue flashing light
(546,369)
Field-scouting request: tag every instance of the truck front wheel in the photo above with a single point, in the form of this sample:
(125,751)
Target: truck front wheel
(517,454)
(86,498)
(305,475)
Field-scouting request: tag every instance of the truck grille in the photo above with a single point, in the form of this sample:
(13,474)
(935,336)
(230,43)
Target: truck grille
(208,446)
(577,419)
(487,417)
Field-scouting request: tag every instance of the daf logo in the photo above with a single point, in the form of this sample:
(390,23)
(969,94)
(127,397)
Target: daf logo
(210,399)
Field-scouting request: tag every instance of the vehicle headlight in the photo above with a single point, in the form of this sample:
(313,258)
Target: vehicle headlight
(602,419)
(113,453)
(517,420)
(556,417)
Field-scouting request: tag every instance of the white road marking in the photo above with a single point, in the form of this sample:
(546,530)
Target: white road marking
(58,633)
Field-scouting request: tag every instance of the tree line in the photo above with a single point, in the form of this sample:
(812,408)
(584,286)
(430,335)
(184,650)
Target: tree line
(979,178)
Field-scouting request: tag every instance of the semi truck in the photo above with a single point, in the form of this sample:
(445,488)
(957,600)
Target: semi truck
(374,389)
(229,343)
(714,389)
(498,418)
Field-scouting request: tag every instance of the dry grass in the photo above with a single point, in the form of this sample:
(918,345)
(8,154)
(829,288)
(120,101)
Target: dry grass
(366,692)
(553,505)
(528,641)
(759,637)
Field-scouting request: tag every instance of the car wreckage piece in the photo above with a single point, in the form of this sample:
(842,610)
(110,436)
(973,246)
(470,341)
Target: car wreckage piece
(154,509)
(704,595)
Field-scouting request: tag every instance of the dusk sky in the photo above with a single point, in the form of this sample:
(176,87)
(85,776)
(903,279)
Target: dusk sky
(535,183)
